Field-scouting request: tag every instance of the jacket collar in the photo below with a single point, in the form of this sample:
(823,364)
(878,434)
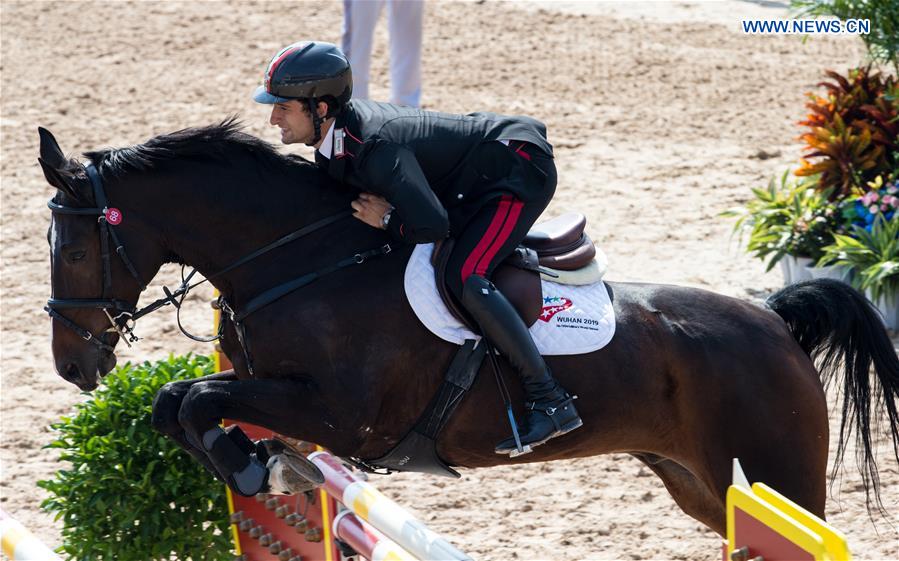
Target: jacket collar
(327,147)
(336,165)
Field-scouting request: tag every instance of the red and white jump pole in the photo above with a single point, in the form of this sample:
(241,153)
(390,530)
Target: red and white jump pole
(392,520)
(367,541)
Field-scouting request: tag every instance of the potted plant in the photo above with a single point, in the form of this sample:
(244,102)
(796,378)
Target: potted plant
(851,138)
(872,253)
(788,223)
(852,132)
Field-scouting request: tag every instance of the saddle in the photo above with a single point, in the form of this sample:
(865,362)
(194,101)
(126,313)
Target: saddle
(559,244)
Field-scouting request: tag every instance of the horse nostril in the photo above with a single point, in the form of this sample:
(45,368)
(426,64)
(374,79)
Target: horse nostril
(72,373)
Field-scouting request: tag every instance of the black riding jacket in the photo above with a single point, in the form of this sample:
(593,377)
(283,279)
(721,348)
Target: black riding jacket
(436,169)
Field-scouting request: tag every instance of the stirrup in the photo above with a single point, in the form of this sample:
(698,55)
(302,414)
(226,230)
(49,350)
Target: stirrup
(519,449)
(549,410)
(524,450)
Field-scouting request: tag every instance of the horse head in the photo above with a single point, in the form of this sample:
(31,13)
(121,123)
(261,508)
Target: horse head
(94,285)
(203,197)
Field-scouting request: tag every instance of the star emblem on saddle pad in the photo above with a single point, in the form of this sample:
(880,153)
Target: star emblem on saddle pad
(556,305)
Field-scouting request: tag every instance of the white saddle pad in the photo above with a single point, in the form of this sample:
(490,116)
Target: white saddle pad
(575,319)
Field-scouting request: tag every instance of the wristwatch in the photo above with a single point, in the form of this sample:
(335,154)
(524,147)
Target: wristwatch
(385,220)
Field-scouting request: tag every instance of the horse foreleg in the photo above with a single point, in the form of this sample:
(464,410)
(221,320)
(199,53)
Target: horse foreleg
(166,406)
(286,406)
(688,491)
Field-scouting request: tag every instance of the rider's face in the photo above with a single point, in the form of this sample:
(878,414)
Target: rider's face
(294,121)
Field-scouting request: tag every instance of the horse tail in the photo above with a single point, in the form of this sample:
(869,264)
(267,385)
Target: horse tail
(837,326)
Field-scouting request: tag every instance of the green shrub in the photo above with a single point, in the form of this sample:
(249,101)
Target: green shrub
(131,494)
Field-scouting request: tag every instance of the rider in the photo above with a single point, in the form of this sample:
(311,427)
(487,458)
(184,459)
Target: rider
(482,179)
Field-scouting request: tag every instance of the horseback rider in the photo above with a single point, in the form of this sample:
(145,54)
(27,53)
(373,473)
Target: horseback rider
(482,179)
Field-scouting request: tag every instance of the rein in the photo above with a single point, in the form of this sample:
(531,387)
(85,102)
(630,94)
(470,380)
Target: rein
(127,315)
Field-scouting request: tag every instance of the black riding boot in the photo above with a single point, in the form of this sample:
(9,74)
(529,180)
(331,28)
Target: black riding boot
(550,411)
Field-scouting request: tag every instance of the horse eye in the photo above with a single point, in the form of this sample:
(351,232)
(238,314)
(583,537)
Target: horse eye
(77,255)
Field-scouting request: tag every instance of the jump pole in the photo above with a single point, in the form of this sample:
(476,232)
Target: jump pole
(367,541)
(370,505)
(20,544)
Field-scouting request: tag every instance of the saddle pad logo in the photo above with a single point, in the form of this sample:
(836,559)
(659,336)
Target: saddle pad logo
(552,305)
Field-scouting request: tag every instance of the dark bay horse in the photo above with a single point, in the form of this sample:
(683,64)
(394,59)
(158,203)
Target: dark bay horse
(691,380)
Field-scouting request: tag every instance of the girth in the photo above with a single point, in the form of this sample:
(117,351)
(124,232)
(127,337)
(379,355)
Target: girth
(417,450)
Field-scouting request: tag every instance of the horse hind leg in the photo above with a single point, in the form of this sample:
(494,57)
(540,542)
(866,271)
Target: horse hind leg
(688,491)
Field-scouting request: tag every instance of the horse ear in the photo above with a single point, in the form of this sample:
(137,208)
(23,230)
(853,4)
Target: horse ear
(64,181)
(51,154)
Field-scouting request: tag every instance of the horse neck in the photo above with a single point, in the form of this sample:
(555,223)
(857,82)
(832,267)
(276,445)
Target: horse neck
(215,215)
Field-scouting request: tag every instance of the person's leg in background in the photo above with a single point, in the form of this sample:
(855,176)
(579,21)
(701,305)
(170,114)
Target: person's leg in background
(359,20)
(404,19)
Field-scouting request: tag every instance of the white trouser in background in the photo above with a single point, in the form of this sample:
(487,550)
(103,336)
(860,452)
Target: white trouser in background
(404,20)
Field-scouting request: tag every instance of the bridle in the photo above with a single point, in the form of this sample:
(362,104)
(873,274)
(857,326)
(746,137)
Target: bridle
(124,316)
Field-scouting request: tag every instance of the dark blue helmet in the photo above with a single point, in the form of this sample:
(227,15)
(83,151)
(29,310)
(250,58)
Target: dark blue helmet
(307,70)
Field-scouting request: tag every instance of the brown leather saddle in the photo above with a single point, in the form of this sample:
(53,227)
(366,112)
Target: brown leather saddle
(559,243)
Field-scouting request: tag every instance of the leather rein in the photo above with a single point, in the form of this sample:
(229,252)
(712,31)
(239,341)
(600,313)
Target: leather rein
(123,315)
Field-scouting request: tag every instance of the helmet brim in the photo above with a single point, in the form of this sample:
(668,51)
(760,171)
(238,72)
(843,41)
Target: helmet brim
(262,96)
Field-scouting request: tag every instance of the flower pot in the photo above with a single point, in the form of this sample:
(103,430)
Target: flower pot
(786,269)
(800,268)
(836,272)
(888,306)
(794,268)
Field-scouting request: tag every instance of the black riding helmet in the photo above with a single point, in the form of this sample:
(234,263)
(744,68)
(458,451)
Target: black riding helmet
(310,71)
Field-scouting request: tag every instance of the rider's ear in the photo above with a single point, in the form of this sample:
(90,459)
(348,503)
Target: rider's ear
(322,109)
(50,151)
(62,180)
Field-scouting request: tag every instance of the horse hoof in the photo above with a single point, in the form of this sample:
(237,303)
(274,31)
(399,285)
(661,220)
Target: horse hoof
(290,472)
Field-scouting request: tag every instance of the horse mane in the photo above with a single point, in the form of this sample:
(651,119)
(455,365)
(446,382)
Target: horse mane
(218,142)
